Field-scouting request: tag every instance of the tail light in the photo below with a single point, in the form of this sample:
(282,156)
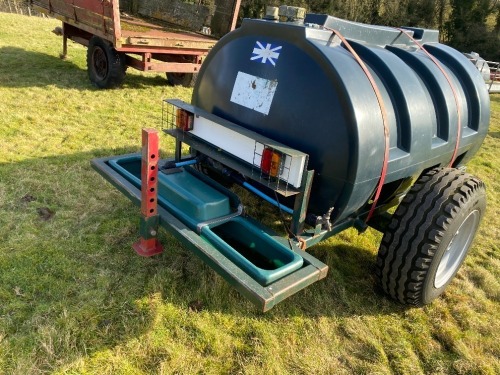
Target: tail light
(270,162)
(184,120)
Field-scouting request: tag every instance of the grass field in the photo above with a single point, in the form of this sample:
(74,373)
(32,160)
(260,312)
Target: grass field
(75,299)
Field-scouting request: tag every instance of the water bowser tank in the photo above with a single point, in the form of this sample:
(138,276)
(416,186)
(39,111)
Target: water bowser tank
(298,84)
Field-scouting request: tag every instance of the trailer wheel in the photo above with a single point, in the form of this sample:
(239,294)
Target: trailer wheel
(429,235)
(106,66)
(182,79)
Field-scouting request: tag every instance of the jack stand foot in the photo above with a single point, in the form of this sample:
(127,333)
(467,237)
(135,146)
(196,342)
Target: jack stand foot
(148,248)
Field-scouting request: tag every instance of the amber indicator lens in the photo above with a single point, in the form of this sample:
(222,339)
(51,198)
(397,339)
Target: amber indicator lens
(270,162)
(184,120)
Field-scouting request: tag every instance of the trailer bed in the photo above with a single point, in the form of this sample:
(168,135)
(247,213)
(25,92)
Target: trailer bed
(146,35)
(143,34)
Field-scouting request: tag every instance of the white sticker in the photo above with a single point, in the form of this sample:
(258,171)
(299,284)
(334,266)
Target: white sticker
(268,54)
(254,92)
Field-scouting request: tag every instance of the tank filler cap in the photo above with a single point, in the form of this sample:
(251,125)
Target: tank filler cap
(272,13)
(291,14)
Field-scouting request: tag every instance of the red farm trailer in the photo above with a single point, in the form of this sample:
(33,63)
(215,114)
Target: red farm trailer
(171,36)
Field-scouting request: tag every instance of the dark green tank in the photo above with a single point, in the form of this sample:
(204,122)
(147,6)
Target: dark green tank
(297,84)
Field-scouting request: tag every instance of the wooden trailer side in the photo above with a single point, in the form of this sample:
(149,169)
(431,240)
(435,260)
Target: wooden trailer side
(144,43)
(91,16)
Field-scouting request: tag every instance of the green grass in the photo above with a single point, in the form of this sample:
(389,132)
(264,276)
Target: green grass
(75,299)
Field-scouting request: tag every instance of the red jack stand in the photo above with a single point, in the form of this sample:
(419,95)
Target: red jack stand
(148,245)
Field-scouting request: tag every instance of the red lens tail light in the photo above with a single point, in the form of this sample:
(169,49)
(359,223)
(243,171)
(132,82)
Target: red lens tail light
(184,120)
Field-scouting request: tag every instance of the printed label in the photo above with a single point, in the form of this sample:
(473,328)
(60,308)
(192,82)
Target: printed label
(254,92)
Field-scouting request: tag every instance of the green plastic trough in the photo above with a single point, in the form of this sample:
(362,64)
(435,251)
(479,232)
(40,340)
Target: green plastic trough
(190,198)
(208,219)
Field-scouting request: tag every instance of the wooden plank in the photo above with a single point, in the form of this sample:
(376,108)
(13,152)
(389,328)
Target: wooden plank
(87,28)
(91,5)
(62,8)
(88,15)
(168,43)
(90,18)
(107,10)
(92,12)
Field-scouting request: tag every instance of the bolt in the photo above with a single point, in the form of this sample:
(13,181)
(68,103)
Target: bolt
(153,232)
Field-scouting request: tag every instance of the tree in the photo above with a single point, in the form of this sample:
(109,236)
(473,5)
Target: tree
(468,31)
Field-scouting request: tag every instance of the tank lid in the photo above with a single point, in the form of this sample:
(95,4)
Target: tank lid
(370,34)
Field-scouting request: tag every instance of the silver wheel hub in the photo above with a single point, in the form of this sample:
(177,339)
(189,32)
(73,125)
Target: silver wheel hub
(456,250)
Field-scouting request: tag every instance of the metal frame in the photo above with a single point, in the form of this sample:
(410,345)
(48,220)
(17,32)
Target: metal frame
(245,168)
(301,237)
(264,297)
(493,83)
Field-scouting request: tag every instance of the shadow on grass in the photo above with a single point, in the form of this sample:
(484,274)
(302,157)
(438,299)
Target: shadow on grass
(350,288)
(21,68)
(75,274)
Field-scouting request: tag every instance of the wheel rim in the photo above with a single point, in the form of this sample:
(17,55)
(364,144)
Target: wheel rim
(456,250)
(100,63)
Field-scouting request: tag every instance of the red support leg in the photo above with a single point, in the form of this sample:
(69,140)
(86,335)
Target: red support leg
(148,245)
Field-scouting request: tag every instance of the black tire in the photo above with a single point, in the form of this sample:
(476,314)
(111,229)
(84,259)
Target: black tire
(429,235)
(182,79)
(106,66)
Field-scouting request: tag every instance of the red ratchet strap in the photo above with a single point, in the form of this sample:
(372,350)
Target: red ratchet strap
(455,94)
(383,173)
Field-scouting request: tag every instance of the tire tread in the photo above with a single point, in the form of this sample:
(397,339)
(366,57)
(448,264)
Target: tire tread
(416,229)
